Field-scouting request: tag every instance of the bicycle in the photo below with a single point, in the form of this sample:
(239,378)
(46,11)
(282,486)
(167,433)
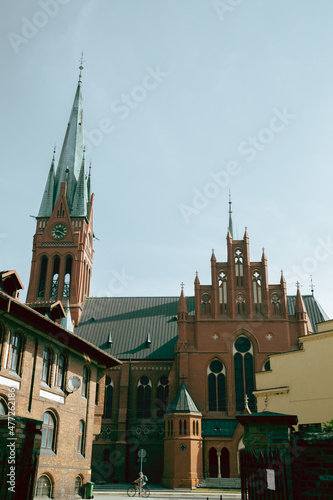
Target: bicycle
(134,489)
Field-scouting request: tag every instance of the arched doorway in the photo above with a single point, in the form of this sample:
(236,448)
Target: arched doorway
(225,463)
(212,463)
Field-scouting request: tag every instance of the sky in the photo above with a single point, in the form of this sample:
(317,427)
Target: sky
(183,101)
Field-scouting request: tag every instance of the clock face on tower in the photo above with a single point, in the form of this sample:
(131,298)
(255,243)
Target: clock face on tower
(59,231)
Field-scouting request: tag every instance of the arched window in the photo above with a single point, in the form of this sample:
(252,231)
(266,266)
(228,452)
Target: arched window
(48,431)
(143,397)
(85,382)
(162,396)
(44,487)
(78,484)
(55,278)
(239,262)
(276,304)
(217,400)
(80,441)
(42,277)
(61,371)
(267,366)
(171,428)
(243,367)
(223,291)
(257,296)
(3,406)
(67,280)
(185,428)
(46,369)
(108,397)
(240,302)
(180,427)
(205,304)
(14,362)
(197,427)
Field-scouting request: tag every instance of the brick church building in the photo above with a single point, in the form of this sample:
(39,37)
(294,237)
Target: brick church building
(188,363)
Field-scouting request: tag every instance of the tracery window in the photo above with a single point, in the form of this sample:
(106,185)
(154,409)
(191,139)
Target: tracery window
(108,399)
(257,295)
(55,278)
(68,275)
(144,397)
(162,396)
(206,304)
(243,370)
(217,400)
(276,304)
(239,264)
(240,302)
(223,299)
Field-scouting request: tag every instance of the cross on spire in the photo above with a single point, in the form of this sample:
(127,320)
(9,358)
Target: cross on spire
(182,285)
(81,67)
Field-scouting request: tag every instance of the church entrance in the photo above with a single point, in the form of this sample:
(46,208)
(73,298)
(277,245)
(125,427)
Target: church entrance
(212,463)
(225,463)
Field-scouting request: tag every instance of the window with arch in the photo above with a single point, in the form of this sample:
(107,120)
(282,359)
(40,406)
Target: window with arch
(239,264)
(257,295)
(205,304)
(3,406)
(55,278)
(185,427)
(197,427)
(162,396)
(48,431)
(217,400)
(108,399)
(78,485)
(143,397)
(180,428)
(61,371)
(267,366)
(80,441)
(244,378)
(276,305)
(15,353)
(47,364)
(85,382)
(42,277)
(68,275)
(223,291)
(240,302)
(44,487)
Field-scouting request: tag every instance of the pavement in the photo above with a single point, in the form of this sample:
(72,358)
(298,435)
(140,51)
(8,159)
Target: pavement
(119,491)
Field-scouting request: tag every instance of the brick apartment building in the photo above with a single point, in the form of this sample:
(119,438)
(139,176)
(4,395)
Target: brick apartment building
(187,363)
(41,362)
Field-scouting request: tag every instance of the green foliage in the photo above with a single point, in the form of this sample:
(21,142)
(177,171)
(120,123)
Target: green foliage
(328,426)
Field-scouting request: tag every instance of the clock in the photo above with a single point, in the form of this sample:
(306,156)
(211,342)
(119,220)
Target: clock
(59,231)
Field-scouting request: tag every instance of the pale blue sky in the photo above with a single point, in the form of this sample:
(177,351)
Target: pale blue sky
(244,88)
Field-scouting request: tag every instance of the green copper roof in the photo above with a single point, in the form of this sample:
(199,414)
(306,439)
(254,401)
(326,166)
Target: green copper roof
(183,403)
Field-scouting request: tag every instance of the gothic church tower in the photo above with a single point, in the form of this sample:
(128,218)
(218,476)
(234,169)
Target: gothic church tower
(62,252)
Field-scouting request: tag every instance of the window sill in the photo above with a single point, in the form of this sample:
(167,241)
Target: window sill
(46,451)
(13,374)
(81,457)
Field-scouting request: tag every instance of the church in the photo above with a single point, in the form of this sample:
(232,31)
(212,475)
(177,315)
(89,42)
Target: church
(187,363)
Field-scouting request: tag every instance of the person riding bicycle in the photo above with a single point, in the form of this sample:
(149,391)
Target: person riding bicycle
(142,480)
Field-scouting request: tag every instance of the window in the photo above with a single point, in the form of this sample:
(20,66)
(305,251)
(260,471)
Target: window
(143,397)
(3,406)
(185,430)
(42,277)
(223,291)
(80,438)
(162,396)
(276,304)
(44,487)
(108,397)
(61,371)
(85,382)
(267,366)
(257,296)
(46,369)
(48,431)
(55,278)
(78,485)
(15,353)
(240,302)
(239,267)
(216,386)
(68,274)
(205,304)
(243,368)
(180,427)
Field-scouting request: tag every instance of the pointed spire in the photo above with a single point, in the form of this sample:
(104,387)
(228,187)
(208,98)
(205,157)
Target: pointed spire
(246,235)
(67,321)
(81,68)
(213,258)
(80,200)
(282,280)
(182,307)
(46,207)
(263,257)
(183,403)
(196,281)
(70,161)
(299,307)
(230,228)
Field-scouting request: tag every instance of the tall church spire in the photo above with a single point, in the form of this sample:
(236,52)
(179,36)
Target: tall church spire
(47,204)
(230,217)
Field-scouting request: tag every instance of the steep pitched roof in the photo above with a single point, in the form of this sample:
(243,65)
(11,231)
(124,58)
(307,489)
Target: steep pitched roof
(183,403)
(129,319)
